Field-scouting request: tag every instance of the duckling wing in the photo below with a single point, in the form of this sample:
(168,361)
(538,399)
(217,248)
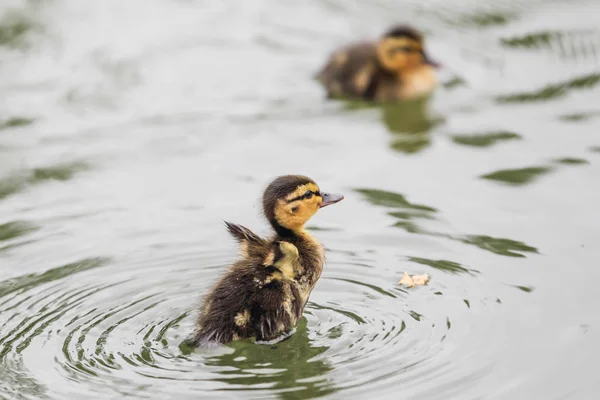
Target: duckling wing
(349,71)
(250,243)
(284,257)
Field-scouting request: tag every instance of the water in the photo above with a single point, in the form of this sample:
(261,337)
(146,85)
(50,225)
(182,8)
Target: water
(130,130)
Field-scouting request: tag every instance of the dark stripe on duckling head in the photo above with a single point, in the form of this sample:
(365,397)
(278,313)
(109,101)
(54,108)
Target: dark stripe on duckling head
(307,195)
(401,48)
(401,31)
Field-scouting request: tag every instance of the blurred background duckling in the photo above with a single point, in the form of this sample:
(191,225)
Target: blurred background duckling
(264,293)
(395,68)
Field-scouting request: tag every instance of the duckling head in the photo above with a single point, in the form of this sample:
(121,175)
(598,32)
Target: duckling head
(291,200)
(401,49)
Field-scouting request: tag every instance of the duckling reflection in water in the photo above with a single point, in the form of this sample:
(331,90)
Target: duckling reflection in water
(263,294)
(394,68)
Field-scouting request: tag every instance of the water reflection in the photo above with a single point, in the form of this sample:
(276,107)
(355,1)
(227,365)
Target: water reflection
(409,122)
(391,199)
(11,230)
(552,91)
(486,139)
(18,181)
(13,28)
(571,161)
(519,176)
(526,289)
(532,40)
(290,368)
(15,122)
(26,282)
(580,44)
(410,212)
(407,219)
(504,247)
(483,19)
(444,265)
(454,82)
(582,116)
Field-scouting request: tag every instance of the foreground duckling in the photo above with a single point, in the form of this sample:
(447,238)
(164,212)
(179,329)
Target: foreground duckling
(396,67)
(263,294)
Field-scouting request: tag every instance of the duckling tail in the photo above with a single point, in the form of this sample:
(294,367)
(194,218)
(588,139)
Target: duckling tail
(241,234)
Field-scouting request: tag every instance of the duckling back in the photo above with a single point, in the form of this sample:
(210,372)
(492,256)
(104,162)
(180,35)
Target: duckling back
(257,297)
(350,71)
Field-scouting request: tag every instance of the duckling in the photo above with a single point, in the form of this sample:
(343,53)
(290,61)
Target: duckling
(264,293)
(395,68)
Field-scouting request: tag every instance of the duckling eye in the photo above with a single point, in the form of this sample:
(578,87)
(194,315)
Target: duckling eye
(308,195)
(402,49)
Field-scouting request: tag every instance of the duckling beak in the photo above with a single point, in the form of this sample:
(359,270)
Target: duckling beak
(330,198)
(427,60)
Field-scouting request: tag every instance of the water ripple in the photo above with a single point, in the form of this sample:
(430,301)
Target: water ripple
(352,324)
